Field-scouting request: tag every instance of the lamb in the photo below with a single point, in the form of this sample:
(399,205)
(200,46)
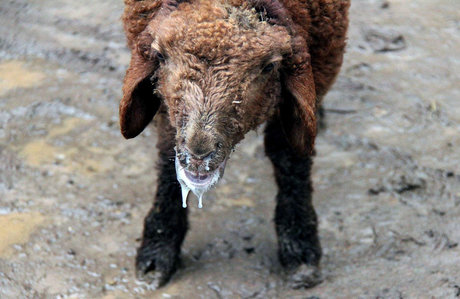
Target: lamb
(212,70)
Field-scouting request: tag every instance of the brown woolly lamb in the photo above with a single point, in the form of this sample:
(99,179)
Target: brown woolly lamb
(211,71)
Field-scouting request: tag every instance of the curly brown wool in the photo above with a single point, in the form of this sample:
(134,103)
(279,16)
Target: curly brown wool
(213,70)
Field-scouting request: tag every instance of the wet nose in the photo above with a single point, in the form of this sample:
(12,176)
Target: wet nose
(199,154)
(194,158)
(199,145)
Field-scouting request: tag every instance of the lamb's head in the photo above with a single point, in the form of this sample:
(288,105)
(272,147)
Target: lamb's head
(219,69)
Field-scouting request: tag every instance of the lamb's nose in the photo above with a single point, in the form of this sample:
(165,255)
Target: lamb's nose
(200,154)
(199,145)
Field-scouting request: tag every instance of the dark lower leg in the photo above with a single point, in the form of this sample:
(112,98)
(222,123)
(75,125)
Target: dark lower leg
(166,223)
(295,218)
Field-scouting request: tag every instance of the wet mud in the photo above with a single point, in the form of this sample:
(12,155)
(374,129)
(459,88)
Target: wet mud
(73,192)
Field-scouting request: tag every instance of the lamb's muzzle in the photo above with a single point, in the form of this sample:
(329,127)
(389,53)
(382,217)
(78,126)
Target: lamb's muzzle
(197,182)
(200,155)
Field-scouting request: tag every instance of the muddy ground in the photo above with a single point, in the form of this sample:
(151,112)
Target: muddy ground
(74,193)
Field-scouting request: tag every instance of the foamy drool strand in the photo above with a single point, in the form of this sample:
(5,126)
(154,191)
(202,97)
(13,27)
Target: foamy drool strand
(186,188)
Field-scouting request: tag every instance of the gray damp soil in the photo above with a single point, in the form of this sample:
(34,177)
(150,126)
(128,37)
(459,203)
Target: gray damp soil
(73,192)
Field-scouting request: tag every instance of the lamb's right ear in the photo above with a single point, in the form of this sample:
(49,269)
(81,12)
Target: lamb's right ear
(139,104)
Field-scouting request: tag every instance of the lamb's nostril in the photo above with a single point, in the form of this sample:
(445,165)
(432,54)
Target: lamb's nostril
(209,154)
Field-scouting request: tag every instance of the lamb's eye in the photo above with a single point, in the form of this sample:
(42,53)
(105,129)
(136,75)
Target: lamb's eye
(160,57)
(268,68)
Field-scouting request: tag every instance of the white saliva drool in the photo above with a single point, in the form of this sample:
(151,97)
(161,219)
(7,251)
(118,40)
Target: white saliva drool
(185,192)
(199,193)
(200,201)
(185,189)
(187,186)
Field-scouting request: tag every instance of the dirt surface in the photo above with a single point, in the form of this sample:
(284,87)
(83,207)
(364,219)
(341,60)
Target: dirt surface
(74,193)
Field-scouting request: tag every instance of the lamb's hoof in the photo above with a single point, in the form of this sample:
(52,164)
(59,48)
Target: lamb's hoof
(305,276)
(155,279)
(155,267)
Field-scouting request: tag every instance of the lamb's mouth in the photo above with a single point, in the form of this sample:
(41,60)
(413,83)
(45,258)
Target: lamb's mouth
(199,179)
(197,182)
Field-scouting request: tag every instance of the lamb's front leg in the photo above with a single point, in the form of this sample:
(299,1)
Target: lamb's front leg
(166,223)
(296,224)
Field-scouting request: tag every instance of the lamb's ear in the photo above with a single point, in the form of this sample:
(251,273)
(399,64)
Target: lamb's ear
(139,104)
(298,108)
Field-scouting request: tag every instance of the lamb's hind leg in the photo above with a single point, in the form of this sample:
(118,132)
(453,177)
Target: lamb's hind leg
(296,224)
(166,223)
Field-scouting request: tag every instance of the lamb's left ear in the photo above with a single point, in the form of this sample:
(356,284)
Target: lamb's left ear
(298,108)
(139,103)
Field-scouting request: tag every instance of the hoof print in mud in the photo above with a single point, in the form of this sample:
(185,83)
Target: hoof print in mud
(305,276)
